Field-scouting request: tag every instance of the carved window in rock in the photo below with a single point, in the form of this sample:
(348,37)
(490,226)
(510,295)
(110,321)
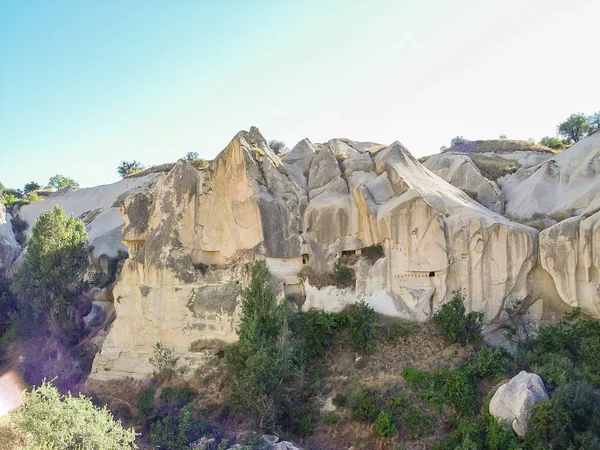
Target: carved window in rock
(305,259)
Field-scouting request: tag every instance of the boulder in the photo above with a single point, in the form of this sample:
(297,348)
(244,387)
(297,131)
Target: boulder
(512,401)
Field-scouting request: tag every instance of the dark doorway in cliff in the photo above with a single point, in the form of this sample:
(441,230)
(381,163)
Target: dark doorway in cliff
(306,259)
(431,274)
(373,253)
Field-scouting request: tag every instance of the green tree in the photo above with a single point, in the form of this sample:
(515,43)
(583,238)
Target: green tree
(194,159)
(58,422)
(457,140)
(455,324)
(190,156)
(127,168)
(261,363)
(503,136)
(276,146)
(551,142)
(50,279)
(60,182)
(574,128)
(30,187)
(594,122)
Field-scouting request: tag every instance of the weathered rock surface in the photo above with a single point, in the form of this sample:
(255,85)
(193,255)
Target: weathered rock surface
(570,253)
(98,207)
(512,401)
(459,171)
(566,185)
(193,236)
(9,247)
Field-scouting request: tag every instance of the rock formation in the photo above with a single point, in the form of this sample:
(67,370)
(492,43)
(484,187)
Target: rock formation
(410,237)
(9,247)
(568,184)
(98,207)
(512,401)
(192,238)
(460,171)
(570,253)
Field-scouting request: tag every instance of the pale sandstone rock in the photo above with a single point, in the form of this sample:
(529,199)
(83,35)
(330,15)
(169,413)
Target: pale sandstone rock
(9,247)
(459,171)
(570,253)
(98,207)
(193,237)
(512,401)
(568,183)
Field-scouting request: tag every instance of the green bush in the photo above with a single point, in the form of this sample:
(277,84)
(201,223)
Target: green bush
(49,283)
(455,324)
(499,436)
(145,406)
(492,363)
(320,330)
(363,330)
(66,422)
(174,398)
(397,331)
(384,425)
(457,387)
(415,378)
(570,419)
(566,351)
(551,142)
(263,363)
(164,362)
(176,432)
(342,274)
(364,404)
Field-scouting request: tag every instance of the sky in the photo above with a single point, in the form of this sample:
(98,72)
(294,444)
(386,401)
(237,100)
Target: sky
(86,85)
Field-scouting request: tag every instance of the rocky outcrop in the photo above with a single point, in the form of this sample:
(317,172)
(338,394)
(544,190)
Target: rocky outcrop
(512,401)
(566,185)
(9,247)
(570,253)
(459,171)
(193,236)
(98,207)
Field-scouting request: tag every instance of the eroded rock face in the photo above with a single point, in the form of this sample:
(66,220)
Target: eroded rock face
(459,171)
(566,185)
(9,247)
(193,237)
(570,253)
(513,401)
(98,207)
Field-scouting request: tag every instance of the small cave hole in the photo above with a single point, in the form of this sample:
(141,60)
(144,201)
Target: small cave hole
(431,274)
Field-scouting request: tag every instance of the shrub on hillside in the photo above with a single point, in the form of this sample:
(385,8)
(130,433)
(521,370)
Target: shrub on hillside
(455,324)
(384,425)
(164,362)
(177,431)
(457,140)
(262,363)
(551,142)
(343,275)
(363,327)
(66,422)
(570,419)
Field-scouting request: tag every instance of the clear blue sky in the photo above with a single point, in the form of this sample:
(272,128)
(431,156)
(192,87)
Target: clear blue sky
(86,84)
